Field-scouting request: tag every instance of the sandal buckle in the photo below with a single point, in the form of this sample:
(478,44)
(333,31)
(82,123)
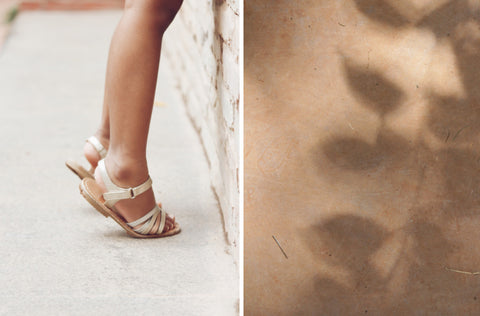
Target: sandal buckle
(132,193)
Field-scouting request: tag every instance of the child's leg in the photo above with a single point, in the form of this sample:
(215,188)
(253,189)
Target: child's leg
(129,94)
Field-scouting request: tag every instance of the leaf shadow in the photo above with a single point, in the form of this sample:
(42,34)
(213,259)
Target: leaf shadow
(381,11)
(355,154)
(374,90)
(350,242)
(461,180)
(457,24)
(443,20)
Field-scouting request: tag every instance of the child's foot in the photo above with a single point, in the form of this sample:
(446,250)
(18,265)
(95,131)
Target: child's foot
(94,150)
(133,209)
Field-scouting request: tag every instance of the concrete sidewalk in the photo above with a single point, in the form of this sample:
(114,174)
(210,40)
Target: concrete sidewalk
(59,256)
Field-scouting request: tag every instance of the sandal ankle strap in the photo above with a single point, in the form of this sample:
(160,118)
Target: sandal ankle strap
(98,146)
(115,193)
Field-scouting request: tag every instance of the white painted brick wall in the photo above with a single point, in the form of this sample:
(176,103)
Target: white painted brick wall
(201,51)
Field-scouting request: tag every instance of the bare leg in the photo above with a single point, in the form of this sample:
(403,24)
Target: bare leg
(103,135)
(129,93)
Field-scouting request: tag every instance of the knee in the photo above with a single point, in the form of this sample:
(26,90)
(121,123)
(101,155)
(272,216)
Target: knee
(159,12)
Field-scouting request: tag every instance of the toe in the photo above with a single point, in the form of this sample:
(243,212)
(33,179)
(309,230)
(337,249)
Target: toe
(169,224)
(167,228)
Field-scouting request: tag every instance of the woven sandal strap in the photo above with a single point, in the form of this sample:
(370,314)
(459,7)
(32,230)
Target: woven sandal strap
(147,226)
(149,221)
(115,193)
(145,217)
(98,146)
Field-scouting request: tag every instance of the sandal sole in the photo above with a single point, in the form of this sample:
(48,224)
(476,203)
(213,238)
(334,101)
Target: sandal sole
(77,169)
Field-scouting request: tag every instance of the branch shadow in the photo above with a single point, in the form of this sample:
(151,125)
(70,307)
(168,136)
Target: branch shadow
(349,243)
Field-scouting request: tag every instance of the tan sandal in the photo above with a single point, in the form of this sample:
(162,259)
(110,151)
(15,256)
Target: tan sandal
(150,225)
(78,169)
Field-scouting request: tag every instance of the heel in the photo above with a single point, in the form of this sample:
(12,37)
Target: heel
(91,200)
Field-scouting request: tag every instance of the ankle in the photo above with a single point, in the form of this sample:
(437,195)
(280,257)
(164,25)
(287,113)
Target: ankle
(126,172)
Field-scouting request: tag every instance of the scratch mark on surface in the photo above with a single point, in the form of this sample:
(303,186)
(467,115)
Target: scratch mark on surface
(463,272)
(459,131)
(278,244)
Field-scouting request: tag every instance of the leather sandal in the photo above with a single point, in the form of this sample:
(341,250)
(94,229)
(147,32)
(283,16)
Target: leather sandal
(78,169)
(148,226)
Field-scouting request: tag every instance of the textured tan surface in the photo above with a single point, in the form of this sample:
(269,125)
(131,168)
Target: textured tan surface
(362,157)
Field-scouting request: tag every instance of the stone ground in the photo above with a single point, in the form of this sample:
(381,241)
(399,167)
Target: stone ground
(59,256)
(362,146)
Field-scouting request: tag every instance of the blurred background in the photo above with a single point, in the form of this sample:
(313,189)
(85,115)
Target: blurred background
(70,4)
(10,8)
